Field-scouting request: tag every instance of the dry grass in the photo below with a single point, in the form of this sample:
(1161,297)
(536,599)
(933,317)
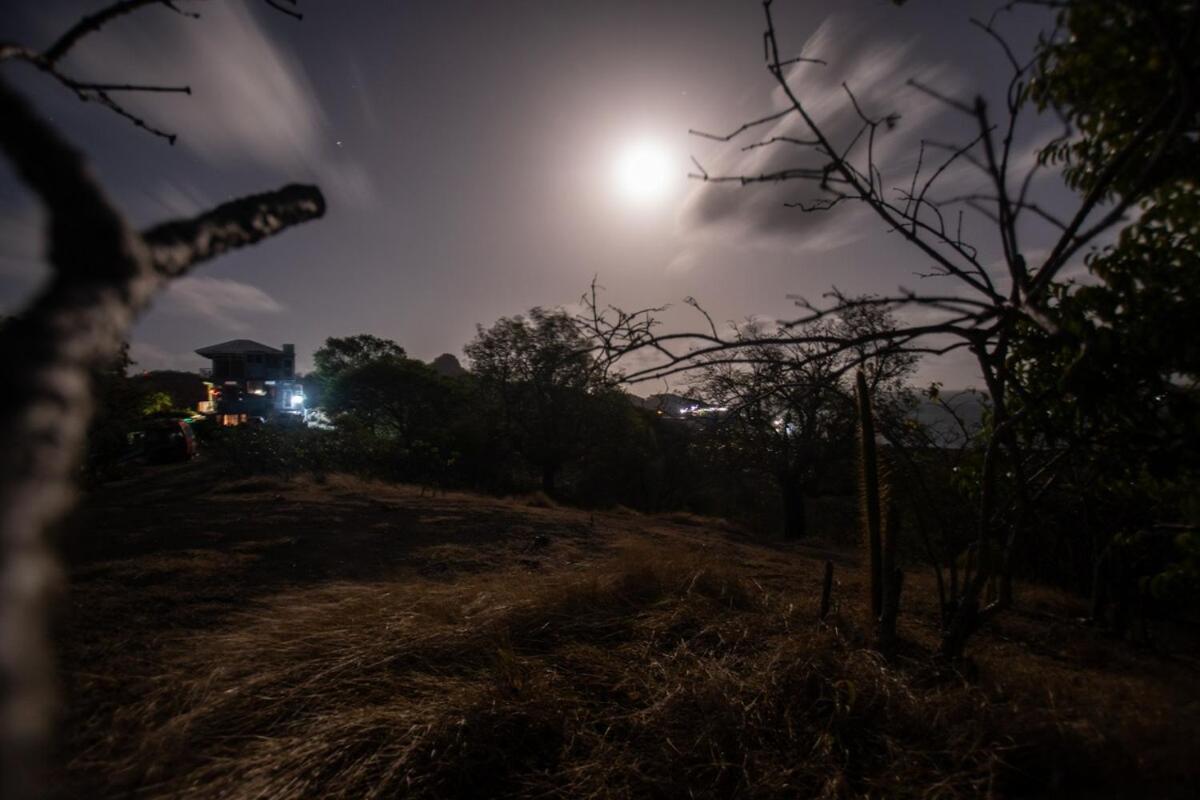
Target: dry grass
(659,666)
(538,499)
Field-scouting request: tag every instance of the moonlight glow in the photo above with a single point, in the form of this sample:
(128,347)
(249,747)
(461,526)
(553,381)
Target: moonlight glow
(644,171)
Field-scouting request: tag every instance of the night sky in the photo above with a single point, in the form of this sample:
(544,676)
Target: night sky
(470,154)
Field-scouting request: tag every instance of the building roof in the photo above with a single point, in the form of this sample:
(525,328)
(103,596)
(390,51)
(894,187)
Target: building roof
(237,347)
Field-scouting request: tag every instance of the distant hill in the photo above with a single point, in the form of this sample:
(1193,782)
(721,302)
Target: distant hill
(967,405)
(447,366)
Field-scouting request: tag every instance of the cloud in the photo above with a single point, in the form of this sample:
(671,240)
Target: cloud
(177,198)
(220,300)
(877,71)
(684,261)
(147,357)
(251,102)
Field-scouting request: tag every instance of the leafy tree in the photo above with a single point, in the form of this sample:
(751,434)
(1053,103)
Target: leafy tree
(537,374)
(405,415)
(400,397)
(342,353)
(620,464)
(185,389)
(156,403)
(1114,390)
(791,415)
(1125,74)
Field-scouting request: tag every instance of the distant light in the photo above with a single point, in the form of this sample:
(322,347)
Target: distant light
(644,171)
(701,411)
(297,400)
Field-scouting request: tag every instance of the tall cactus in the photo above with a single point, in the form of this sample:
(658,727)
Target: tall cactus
(869,493)
(891,536)
(882,540)
(893,579)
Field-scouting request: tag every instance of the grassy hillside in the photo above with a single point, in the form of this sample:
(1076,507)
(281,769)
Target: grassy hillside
(271,639)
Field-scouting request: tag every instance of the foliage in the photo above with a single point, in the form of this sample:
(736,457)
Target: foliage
(342,353)
(186,389)
(790,406)
(542,387)
(156,403)
(1114,392)
(1125,75)
(290,450)
(399,398)
(623,463)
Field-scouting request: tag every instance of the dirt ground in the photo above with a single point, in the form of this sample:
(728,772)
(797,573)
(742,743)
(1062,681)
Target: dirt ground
(215,633)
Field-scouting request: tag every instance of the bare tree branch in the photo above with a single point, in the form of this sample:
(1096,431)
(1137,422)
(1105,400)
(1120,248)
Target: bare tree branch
(741,128)
(294,14)
(47,61)
(177,246)
(90,24)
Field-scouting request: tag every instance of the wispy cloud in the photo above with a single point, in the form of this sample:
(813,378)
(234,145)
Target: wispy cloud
(251,102)
(221,301)
(877,71)
(147,357)
(684,261)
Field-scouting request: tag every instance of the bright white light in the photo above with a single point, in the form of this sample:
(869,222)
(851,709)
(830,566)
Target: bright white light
(644,171)
(297,400)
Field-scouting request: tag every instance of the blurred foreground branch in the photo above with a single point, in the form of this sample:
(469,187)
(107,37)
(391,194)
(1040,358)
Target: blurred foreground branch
(103,273)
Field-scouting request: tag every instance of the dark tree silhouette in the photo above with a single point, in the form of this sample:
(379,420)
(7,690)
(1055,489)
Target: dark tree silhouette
(789,414)
(342,353)
(539,375)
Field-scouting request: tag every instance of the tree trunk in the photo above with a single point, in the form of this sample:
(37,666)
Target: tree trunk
(869,493)
(965,620)
(549,478)
(1005,590)
(962,625)
(826,590)
(795,523)
(891,612)
(1100,587)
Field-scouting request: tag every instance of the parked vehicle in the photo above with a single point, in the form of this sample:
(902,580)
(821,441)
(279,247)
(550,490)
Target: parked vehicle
(166,441)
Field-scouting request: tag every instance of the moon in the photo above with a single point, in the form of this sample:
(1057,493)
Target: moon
(644,172)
